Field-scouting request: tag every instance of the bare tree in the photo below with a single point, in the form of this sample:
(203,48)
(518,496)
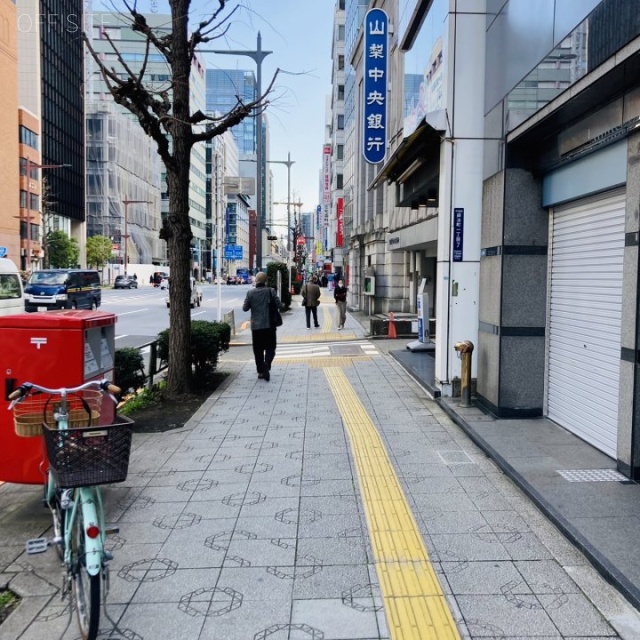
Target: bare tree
(165,115)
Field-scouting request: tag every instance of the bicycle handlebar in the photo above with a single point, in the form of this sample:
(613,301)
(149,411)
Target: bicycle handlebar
(27,387)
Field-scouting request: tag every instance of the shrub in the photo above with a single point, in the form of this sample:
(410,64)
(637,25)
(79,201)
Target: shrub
(208,339)
(129,369)
(272,281)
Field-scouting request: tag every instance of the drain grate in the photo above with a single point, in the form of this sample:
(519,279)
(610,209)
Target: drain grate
(592,475)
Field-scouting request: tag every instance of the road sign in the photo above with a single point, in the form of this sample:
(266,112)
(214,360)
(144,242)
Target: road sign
(232,252)
(3,252)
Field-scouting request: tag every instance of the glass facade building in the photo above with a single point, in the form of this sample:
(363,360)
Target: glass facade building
(223,85)
(62,61)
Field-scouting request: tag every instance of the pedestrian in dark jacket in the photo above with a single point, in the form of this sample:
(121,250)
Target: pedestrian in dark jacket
(311,295)
(263,335)
(340,296)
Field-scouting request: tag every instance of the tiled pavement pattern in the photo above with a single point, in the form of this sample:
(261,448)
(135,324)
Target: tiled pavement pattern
(251,522)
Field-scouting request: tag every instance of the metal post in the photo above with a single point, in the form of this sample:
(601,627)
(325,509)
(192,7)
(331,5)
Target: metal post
(219,234)
(465,349)
(258,56)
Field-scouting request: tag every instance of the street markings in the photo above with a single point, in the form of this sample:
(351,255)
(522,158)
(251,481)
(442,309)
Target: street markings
(414,603)
(327,351)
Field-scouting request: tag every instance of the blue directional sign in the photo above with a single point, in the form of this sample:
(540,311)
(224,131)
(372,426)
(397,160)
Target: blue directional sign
(375,85)
(232,252)
(3,252)
(458,234)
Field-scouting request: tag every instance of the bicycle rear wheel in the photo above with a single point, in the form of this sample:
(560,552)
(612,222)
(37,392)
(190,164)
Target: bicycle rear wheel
(86,588)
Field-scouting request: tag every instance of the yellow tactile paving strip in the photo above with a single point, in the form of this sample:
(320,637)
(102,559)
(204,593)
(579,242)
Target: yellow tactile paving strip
(414,603)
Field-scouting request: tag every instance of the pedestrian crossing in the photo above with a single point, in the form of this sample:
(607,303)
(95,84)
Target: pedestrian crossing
(312,352)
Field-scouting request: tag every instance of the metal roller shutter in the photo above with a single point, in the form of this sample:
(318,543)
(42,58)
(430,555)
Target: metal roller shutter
(585,315)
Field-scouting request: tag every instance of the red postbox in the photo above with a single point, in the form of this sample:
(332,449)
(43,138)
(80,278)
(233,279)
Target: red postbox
(55,349)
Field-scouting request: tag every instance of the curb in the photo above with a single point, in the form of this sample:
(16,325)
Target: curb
(600,562)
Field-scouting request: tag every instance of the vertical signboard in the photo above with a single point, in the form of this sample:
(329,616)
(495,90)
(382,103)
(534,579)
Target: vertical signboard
(340,222)
(375,86)
(326,176)
(458,234)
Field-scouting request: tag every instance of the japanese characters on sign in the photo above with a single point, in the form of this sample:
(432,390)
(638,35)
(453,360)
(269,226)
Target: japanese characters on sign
(340,222)
(458,234)
(326,176)
(375,85)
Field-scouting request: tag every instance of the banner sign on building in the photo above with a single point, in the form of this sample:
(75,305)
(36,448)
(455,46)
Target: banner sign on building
(375,85)
(340,223)
(326,176)
(458,234)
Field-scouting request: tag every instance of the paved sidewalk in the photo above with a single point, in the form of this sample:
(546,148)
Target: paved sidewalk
(337,501)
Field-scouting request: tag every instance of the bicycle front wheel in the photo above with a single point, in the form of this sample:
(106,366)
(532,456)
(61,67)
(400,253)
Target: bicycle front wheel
(86,588)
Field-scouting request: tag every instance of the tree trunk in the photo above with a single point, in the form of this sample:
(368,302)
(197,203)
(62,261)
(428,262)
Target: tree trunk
(176,226)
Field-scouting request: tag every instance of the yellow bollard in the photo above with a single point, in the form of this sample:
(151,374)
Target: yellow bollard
(465,349)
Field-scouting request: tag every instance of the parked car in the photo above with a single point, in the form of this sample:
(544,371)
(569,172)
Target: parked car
(125,282)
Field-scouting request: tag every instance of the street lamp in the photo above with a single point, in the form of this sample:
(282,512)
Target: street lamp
(29,165)
(258,56)
(125,235)
(288,162)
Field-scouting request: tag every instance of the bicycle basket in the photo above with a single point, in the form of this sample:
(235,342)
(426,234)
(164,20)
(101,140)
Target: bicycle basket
(30,413)
(89,456)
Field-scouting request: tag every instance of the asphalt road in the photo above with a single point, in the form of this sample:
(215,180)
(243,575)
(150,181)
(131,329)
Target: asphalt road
(142,313)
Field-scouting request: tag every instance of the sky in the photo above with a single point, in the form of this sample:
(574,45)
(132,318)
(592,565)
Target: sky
(299,33)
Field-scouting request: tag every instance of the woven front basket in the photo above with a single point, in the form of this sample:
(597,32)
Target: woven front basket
(30,413)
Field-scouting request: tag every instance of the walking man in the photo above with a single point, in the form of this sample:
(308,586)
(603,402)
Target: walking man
(263,335)
(311,299)
(340,296)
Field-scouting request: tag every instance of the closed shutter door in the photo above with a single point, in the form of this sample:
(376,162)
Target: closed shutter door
(585,319)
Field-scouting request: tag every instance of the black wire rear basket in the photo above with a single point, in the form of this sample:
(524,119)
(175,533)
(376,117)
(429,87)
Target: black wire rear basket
(91,455)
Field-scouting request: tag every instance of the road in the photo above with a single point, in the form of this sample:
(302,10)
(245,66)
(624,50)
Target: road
(143,312)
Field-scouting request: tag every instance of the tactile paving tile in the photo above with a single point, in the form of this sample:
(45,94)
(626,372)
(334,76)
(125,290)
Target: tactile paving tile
(592,475)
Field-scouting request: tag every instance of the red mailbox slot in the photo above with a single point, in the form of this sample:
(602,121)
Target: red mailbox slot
(55,349)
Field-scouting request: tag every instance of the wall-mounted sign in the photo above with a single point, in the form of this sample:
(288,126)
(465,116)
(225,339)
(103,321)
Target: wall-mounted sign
(326,176)
(458,234)
(375,85)
(340,222)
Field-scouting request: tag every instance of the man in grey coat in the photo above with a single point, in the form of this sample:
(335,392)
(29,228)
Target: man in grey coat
(311,294)
(263,335)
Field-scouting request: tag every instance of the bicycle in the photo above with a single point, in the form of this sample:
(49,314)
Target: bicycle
(81,456)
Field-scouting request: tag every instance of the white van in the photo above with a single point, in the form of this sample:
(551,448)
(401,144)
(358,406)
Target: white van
(196,293)
(11,291)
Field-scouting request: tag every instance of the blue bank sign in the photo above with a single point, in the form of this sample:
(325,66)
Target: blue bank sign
(375,85)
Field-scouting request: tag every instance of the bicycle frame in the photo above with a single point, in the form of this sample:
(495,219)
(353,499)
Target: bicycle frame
(89,500)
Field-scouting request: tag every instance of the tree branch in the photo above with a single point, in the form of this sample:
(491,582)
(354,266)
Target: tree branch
(140,25)
(233,117)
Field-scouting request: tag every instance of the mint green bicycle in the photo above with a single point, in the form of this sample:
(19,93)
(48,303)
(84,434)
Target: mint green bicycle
(82,455)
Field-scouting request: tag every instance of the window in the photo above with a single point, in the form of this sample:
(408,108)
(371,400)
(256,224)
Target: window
(341,121)
(28,137)
(340,63)
(341,5)
(341,32)
(340,92)
(339,181)
(340,152)
(9,286)
(23,169)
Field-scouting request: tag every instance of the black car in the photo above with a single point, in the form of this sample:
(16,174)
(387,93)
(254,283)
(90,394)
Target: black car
(125,282)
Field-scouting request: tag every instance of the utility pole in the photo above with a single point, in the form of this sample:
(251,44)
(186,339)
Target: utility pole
(258,56)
